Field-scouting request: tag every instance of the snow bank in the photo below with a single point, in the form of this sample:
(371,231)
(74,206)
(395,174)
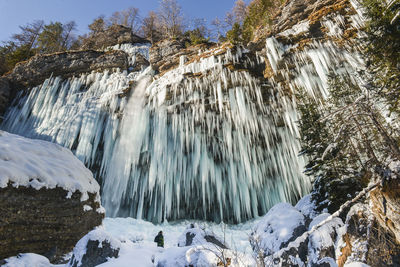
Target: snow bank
(40,164)
(139,231)
(202,256)
(138,248)
(356,264)
(277,227)
(307,206)
(27,260)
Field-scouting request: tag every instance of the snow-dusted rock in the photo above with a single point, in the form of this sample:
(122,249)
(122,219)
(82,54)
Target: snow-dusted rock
(307,207)
(282,224)
(194,235)
(40,164)
(322,242)
(26,260)
(48,199)
(95,248)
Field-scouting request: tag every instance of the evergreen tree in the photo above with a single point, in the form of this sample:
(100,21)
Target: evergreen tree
(50,39)
(345,139)
(382,49)
(235,34)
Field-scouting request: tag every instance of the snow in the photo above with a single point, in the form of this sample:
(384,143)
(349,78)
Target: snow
(198,238)
(87,208)
(307,206)
(297,29)
(277,227)
(356,264)
(40,164)
(138,249)
(124,229)
(321,238)
(27,260)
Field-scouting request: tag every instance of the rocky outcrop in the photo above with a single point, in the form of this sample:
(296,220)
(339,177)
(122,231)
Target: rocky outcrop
(166,54)
(115,34)
(386,207)
(44,221)
(140,63)
(5,95)
(94,249)
(66,64)
(365,234)
(365,239)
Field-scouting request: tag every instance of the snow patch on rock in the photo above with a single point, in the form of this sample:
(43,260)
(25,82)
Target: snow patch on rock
(27,260)
(96,235)
(40,164)
(307,207)
(277,227)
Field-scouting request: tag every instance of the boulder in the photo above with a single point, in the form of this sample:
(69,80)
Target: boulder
(194,236)
(48,199)
(95,248)
(321,245)
(26,260)
(281,225)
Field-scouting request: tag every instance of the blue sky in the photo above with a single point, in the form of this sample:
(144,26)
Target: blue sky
(19,12)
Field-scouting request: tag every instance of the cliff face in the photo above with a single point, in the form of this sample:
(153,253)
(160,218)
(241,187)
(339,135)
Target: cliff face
(66,64)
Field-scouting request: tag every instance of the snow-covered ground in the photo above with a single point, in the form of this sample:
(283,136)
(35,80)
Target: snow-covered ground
(138,248)
(143,233)
(236,236)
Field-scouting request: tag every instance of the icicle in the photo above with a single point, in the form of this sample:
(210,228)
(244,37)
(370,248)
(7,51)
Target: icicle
(208,147)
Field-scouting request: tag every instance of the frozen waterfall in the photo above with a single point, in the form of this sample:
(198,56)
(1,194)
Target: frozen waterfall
(202,141)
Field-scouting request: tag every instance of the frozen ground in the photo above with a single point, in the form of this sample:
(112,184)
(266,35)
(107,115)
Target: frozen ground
(142,233)
(138,248)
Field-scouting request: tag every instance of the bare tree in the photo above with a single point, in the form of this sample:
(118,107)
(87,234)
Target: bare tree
(218,28)
(151,27)
(239,11)
(67,35)
(171,18)
(29,34)
(229,19)
(128,17)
